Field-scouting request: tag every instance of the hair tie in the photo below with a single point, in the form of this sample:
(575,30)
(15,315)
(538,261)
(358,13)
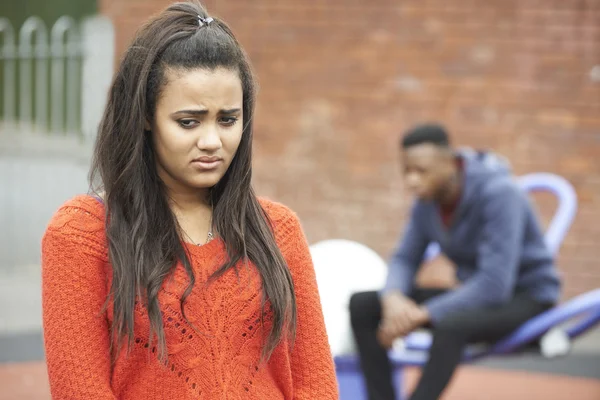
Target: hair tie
(204,21)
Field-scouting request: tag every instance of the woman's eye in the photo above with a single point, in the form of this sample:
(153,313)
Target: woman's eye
(188,123)
(228,121)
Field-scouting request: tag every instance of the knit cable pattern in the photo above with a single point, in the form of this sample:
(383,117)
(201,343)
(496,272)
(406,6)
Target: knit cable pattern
(214,356)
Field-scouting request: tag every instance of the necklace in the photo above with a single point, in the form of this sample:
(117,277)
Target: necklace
(210,236)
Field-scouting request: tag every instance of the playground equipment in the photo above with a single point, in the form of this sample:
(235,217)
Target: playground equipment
(364,270)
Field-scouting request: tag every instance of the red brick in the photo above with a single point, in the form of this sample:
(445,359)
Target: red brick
(341,80)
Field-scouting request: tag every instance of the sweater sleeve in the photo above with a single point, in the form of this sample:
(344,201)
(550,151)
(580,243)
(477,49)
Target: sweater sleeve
(407,257)
(76,333)
(499,250)
(313,372)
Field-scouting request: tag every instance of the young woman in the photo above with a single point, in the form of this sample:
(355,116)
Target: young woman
(174,281)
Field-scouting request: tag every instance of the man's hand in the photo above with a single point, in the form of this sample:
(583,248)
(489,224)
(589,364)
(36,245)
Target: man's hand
(400,316)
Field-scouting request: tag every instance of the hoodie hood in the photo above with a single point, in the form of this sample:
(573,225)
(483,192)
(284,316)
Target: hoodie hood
(481,164)
(481,168)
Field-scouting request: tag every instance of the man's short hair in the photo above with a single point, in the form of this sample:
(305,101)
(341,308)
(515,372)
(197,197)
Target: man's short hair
(426,133)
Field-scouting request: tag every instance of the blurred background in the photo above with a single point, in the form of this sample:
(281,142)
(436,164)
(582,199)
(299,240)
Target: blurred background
(340,80)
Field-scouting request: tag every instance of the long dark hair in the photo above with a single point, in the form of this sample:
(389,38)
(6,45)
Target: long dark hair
(144,240)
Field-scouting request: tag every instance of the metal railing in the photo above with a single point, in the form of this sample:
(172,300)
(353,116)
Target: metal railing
(57,60)
(48,123)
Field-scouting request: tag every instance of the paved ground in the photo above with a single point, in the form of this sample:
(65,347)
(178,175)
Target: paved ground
(28,381)
(478,383)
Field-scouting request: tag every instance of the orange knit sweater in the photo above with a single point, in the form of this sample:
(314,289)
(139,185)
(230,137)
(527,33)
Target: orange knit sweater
(220,363)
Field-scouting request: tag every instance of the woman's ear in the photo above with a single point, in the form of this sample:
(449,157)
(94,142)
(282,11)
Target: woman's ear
(147,126)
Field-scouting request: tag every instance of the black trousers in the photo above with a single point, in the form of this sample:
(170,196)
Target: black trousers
(450,337)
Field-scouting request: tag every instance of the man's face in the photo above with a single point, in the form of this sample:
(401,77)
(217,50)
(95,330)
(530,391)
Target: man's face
(427,170)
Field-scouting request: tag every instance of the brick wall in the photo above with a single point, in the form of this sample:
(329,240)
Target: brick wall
(340,80)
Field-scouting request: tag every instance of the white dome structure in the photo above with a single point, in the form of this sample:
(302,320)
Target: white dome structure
(344,267)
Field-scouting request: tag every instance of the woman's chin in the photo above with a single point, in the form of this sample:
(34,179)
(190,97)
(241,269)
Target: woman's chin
(205,182)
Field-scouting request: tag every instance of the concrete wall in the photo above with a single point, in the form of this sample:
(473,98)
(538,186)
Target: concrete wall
(38,172)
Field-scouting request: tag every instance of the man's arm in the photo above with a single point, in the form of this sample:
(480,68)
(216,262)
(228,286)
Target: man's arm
(499,251)
(406,259)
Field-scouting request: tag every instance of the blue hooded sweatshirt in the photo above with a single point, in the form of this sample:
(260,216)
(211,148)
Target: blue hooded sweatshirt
(494,239)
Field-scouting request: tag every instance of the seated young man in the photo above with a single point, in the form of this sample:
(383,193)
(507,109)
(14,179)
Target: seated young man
(470,204)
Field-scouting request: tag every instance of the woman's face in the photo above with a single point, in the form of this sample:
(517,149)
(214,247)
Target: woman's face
(197,127)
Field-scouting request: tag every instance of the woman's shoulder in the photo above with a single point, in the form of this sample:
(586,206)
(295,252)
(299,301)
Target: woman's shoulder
(278,213)
(80,216)
(74,253)
(284,221)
